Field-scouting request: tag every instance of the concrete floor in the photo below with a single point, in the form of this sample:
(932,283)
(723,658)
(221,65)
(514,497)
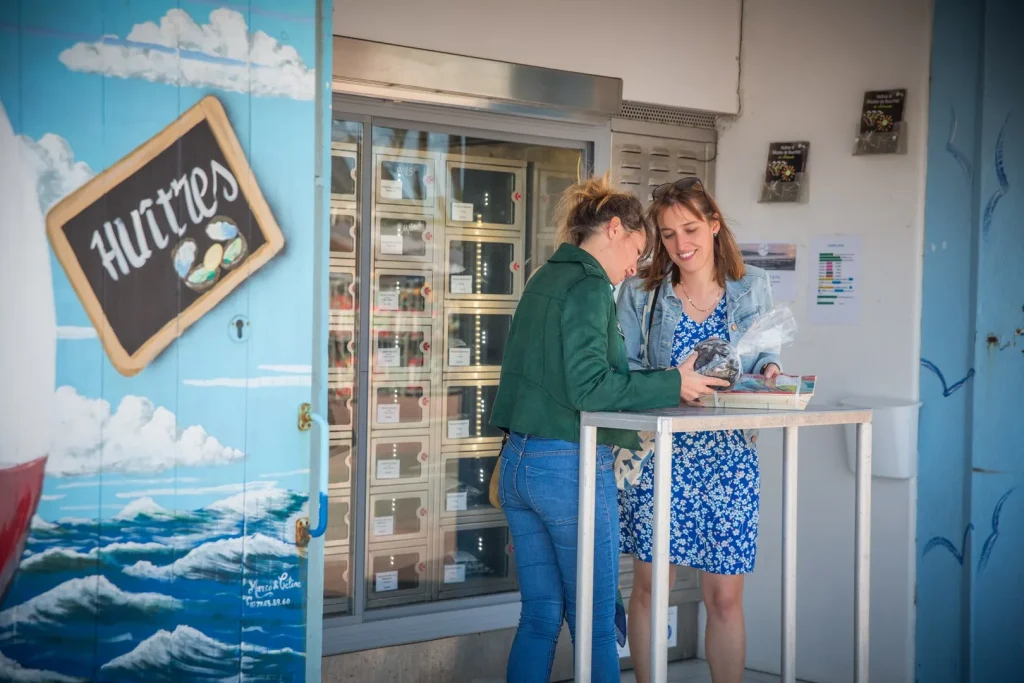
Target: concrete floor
(696,671)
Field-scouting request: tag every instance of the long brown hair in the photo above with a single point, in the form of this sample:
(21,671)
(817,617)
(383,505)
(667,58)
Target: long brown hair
(587,206)
(728,259)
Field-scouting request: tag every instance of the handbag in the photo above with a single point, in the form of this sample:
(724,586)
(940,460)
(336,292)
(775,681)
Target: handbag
(629,462)
(495,485)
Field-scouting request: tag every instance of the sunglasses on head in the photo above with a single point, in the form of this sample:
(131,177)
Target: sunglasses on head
(683,184)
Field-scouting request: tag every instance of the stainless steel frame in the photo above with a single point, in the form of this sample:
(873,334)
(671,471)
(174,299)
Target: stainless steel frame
(667,422)
(393,72)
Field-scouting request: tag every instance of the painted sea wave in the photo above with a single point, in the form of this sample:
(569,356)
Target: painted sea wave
(157,595)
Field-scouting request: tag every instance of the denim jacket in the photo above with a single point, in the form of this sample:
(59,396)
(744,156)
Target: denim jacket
(746,299)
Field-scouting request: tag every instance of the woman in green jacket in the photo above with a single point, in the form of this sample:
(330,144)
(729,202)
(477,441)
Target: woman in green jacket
(565,354)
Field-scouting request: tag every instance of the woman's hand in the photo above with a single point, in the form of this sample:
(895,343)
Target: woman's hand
(771,371)
(694,385)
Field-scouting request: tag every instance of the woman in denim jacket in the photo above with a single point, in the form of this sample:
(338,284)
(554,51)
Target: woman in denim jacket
(700,289)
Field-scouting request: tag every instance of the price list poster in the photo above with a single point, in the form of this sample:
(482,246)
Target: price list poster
(835,288)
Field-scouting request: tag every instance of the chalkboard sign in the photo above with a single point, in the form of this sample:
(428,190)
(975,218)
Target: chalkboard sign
(157,240)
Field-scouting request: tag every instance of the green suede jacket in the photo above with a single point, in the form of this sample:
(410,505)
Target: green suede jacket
(565,354)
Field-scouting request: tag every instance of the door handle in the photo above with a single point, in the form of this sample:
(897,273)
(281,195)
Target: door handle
(306,417)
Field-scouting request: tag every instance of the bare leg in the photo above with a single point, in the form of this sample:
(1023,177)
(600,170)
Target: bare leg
(725,637)
(640,618)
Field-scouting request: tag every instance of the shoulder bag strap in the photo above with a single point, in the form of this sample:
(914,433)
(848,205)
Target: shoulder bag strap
(652,298)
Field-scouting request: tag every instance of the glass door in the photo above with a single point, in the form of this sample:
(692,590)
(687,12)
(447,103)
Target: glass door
(450,222)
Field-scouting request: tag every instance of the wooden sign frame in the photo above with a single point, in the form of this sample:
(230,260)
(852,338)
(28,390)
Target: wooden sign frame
(212,111)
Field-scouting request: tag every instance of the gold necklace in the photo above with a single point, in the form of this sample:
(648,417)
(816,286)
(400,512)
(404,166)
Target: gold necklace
(702,310)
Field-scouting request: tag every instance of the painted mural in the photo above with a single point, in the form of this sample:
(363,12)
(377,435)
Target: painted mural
(162,544)
(970,503)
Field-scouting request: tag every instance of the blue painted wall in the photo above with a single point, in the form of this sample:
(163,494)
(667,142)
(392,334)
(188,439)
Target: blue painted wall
(164,547)
(970,594)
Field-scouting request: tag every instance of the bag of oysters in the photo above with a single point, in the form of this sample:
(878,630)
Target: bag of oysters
(769,333)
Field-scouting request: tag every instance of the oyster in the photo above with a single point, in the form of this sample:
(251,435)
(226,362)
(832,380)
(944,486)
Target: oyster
(184,255)
(234,252)
(222,229)
(202,278)
(213,256)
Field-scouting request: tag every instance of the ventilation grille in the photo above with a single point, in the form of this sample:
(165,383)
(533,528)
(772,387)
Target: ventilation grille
(654,113)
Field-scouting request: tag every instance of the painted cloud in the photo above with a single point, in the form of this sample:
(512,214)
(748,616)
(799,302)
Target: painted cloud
(137,438)
(221,54)
(57,172)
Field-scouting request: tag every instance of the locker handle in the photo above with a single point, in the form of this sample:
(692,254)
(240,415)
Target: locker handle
(306,417)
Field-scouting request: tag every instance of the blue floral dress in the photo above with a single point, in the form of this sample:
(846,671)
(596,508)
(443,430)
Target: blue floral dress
(716,486)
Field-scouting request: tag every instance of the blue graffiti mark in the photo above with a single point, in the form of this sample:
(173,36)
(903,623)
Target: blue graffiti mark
(961,158)
(947,390)
(990,542)
(942,542)
(1004,185)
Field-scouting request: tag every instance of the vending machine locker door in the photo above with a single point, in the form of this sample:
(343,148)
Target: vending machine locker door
(399,459)
(402,349)
(465,479)
(476,558)
(475,338)
(404,237)
(396,575)
(484,194)
(400,405)
(405,293)
(339,464)
(467,413)
(405,178)
(337,581)
(340,408)
(344,172)
(341,351)
(482,268)
(344,233)
(339,521)
(399,516)
(343,293)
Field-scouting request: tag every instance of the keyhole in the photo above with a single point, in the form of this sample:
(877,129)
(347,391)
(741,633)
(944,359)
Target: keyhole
(239,329)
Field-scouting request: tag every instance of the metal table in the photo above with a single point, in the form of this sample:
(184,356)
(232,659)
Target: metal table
(666,422)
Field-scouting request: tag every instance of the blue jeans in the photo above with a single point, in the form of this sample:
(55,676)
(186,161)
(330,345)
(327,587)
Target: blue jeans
(539,494)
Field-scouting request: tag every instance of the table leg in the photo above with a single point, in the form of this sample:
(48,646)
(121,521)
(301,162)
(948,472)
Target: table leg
(789,532)
(862,559)
(660,552)
(585,552)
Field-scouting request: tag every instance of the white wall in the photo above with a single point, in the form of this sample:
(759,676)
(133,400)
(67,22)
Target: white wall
(836,51)
(680,53)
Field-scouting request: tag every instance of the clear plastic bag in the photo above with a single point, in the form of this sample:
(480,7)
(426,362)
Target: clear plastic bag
(718,358)
(769,333)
